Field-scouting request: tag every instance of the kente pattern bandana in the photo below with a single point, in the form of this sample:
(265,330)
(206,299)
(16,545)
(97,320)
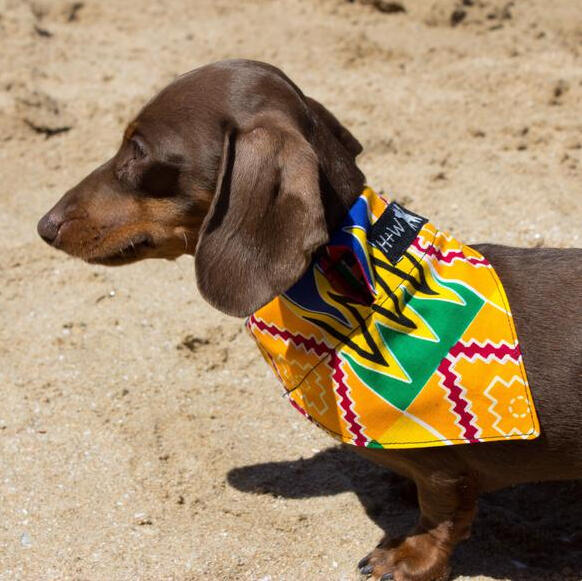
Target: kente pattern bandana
(398,336)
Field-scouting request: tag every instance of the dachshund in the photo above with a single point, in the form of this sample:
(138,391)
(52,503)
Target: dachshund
(232,164)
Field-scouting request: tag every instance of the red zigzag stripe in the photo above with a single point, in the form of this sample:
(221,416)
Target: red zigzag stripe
(309,344)
(460,405)
(346,404)
(471,350)
(448,256)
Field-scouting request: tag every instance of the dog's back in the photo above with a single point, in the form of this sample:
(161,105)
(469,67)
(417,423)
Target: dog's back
(544,288)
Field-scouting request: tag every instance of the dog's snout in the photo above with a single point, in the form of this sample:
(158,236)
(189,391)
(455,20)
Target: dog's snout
(48,227)
(67,209)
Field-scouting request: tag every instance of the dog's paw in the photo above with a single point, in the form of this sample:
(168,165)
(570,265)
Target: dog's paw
(414,558)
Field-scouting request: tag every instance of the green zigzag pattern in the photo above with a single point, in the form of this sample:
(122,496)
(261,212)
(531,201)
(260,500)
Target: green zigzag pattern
(419,357)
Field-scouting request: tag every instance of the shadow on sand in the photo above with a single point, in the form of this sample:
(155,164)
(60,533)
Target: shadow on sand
(529,532)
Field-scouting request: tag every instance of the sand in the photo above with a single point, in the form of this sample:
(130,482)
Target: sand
(141,435)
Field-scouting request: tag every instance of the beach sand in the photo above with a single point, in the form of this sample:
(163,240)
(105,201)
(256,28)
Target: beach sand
(142,437)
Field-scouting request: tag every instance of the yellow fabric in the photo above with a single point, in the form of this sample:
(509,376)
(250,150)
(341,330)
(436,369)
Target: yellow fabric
(433,359)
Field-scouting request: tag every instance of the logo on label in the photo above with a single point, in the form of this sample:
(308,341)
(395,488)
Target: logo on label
(395,230)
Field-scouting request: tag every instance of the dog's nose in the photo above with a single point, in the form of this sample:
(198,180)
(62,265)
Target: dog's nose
(48,227)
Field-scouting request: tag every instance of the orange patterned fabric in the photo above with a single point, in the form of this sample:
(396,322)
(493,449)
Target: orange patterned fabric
(399,336)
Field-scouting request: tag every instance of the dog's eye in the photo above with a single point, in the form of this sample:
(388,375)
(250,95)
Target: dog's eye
(160,179)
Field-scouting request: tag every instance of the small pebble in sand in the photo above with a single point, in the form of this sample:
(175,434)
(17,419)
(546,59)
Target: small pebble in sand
(388,7)
(458,16)
(25,540)
(560,88)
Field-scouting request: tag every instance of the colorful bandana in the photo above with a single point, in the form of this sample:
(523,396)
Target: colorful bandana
(399,336)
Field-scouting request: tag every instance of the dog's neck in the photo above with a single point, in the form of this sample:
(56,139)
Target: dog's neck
(338,198)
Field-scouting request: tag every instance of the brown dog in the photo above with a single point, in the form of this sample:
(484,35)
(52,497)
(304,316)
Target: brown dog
(231,163)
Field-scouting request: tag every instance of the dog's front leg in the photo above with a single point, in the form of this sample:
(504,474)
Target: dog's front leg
(447,506)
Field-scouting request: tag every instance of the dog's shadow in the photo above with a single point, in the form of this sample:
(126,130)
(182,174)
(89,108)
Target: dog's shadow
(529,532)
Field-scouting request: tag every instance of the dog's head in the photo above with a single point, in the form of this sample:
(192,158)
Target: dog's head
(230,163)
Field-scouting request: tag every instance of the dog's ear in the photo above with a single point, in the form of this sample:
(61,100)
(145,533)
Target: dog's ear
(340,178)
(350,143)
(265,221)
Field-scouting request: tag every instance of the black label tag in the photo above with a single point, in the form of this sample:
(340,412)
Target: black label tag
(395,230)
